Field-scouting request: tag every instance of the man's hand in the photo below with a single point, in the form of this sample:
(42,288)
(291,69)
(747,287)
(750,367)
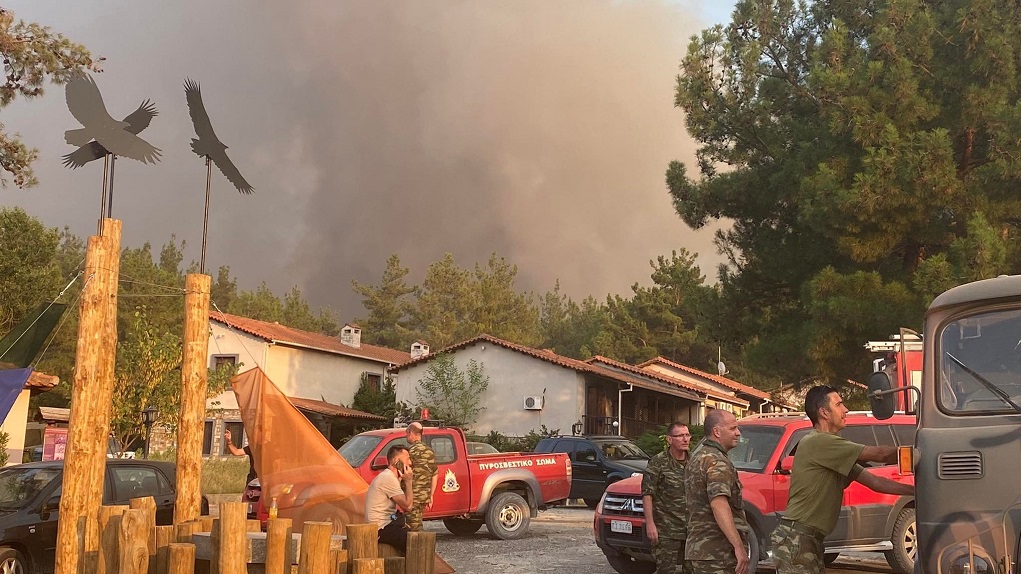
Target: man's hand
(409,473)
(226,436)
(652,532)
(429,505)
(742,558)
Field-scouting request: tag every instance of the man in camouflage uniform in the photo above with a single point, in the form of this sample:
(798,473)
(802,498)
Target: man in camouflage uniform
(666,512)
(713,491)
(423,462)
(824,465)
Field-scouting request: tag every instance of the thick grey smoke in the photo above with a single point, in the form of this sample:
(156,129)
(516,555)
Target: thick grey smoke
(536,129)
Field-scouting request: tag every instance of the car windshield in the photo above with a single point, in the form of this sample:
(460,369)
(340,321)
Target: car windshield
(622,450)
(19,486)
(980,363)
(356,450)
(757,443)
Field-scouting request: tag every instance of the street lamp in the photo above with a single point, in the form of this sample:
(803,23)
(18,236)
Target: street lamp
(148,418)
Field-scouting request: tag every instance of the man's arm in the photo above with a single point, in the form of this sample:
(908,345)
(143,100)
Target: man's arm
(405,500)
(650,524)
(725,519)
(885,485)
(230,444)
(883,454)
(432,489)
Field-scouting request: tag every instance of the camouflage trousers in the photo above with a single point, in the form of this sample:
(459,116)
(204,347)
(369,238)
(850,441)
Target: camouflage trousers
(669,553)
(797,550)
(414,515)
(728,566)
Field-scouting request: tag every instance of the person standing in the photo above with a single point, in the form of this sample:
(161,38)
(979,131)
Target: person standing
(713,492)
(423,461)
(390,491)
(666,513)
(824,465)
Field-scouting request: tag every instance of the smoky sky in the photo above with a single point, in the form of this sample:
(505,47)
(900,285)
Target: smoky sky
(537,129)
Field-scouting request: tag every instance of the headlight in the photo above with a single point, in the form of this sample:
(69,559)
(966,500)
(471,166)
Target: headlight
(599,507)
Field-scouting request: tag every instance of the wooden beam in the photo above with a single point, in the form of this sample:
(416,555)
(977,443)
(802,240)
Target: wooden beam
(194,384)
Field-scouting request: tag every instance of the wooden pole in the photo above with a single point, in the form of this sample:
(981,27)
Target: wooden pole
(205,524)
(362,542)
(91,397)
(109,532)
(315,549)
(194,373)
(233,553)
(184,530)
(421,555)
(147,504)
(368,566)
(394,565)
(164,536)
(279,552)
(182,558)
(254,525)
(133,540)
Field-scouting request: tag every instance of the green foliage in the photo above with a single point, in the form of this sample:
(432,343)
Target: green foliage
(224,476)
(382,401)
(263,305)
(4,441)
(387,306)
(452,395)
(32,53)
(30,272)
(525,443)
(654,442)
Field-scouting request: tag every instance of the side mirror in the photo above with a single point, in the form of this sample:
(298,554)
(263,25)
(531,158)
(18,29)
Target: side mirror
(51,505)
(880,398)
(786,465)
(378,462)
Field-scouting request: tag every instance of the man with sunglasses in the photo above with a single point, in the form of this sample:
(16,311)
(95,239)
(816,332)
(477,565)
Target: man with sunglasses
(663,501)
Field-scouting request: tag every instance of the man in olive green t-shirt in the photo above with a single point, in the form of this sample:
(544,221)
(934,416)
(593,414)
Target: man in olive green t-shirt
(824,465)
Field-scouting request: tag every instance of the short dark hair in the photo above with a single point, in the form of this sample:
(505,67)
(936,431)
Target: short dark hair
(395,450)
(675,425)
(713,419)
(816,398)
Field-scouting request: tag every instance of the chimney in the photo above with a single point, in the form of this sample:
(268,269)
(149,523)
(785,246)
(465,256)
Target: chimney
(351,335)
(419,349)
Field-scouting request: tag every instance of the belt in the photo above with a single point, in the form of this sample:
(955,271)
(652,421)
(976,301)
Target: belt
(803,528)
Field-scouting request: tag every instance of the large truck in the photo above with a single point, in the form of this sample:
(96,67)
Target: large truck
(968,441)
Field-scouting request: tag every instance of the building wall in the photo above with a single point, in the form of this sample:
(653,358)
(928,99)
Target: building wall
(14,425)
(512,376)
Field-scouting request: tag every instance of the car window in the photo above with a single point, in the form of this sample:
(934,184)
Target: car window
(19,486)
(356,450)
(757,444)
(792,444)
(135,482)
(905,434)
(443,448)
(861,434)
(884,435)
(584,452)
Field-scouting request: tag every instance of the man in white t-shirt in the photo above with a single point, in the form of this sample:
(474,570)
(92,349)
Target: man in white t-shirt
(390,491)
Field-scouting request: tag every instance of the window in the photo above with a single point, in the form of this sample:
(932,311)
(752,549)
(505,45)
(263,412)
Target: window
(443,447)
(373,381)
(137,481)
(207,438)
(861,434)
(884,436)
(979,364)
(584,452)
(237,435)
(905,434)
(219,360)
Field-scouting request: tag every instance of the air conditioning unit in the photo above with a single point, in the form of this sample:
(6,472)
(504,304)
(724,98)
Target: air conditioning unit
(533,403)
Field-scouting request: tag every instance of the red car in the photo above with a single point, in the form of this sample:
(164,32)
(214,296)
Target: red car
(869,521)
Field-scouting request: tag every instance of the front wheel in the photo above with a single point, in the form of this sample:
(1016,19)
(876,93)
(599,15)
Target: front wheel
(12,562)
(624,564)
(830,558)
(905,543)
(753,551)
(508,516)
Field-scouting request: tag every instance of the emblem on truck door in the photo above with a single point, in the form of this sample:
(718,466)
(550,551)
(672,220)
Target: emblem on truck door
(450,482)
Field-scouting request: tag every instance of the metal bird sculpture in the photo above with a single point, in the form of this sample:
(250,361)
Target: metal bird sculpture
(86,105)
(208,145)
(137,121)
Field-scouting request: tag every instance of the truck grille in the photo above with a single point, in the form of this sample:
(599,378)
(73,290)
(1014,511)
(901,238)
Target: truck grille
(623,505)
(960,465)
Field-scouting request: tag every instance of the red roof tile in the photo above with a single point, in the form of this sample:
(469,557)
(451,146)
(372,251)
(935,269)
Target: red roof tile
(330,409)
(715,378)
(277,333)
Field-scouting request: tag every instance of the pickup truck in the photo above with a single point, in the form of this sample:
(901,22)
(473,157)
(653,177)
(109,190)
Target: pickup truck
(504,490)
(869,521)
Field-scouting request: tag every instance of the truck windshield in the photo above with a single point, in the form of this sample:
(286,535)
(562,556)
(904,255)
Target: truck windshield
(980,364)
(622,450)
(356,450)
(757,444)
(19,486)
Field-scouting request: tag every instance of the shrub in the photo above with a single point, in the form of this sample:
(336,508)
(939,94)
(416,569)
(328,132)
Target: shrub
(654,442)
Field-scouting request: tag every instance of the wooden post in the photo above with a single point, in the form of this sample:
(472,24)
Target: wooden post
(315,549)
(233,555)
(182,558)
(109,519)
(205,524)
(194,373)
(394,565)
(368,566)
(91,397)
(133,540)
(184,530)
(279,551)
(421,555)
(147,504)
(164,536)
(362,542)
(214,541)
(254,525)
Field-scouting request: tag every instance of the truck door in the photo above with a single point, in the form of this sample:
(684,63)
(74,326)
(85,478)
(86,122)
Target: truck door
(864,513)
(782,482)
(453,485)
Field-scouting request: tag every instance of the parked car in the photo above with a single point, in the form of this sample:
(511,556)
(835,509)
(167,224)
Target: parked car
(30,503)
(481,448)
(869,521)
(597,462)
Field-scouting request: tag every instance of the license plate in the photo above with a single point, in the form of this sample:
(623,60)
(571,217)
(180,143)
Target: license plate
(621,526)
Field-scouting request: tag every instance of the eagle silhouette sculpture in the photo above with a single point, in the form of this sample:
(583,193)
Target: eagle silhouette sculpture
(137,121)
(86,105)
(208,145)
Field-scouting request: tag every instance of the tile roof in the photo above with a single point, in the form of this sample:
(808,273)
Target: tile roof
(729,383)
(277,333)
(330,409)
(39,380)
(664,378)
(661,384)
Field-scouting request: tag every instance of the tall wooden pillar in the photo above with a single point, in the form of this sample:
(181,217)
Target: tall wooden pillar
(91,396)
(194,383)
